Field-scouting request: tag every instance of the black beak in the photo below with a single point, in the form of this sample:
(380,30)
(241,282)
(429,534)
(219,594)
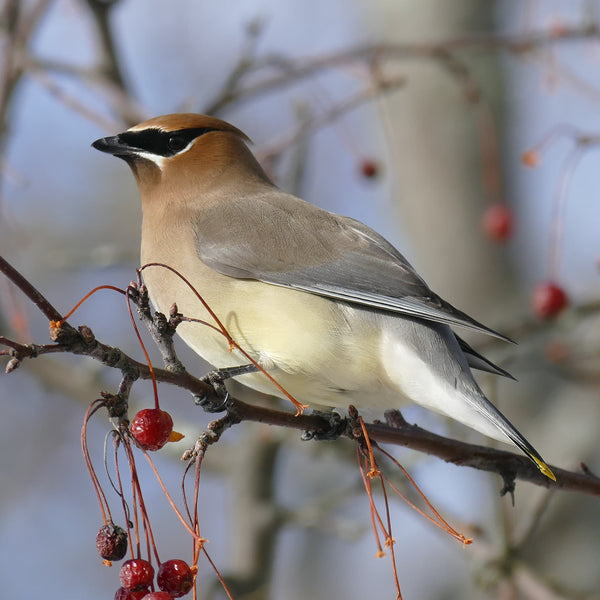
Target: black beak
(116,146)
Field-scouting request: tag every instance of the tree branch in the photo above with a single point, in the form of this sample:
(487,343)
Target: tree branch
(83,342)
(289,71)
(29,290)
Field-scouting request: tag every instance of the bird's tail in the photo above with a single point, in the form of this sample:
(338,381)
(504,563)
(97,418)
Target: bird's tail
(530,451)
(501,423)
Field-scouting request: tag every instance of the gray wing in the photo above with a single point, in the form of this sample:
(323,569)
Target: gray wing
(480,362)
(282,240)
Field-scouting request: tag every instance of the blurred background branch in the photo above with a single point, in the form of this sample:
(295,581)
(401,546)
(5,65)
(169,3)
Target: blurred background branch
(412,117)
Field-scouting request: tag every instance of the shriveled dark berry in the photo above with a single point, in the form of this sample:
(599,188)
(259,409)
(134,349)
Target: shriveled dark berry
(111,542)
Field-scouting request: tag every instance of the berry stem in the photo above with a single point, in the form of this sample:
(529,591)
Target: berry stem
(490,153)
(439,521)
(139,337)
(558,216)
(363,462)
(390,541)
(126,511)
(104,508)
(170,499)
(87,297)
(232,343)
(137,494)
(218,574)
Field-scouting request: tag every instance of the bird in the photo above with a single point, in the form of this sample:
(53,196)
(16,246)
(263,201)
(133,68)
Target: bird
(327,307)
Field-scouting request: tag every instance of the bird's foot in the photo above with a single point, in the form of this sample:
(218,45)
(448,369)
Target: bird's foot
(216,379)
(336,427)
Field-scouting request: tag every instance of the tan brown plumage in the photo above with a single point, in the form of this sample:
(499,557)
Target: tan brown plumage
(330,308)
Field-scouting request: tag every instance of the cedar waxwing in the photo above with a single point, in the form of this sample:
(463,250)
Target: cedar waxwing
(324,304)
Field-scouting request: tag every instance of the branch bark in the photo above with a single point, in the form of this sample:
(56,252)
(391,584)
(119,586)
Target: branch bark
(82,342)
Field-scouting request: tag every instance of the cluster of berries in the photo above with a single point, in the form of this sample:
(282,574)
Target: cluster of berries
(174,579)
(151,429)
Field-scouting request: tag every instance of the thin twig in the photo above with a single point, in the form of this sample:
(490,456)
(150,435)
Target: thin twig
(510,466)
(314,124)
(31,292)
(293,71)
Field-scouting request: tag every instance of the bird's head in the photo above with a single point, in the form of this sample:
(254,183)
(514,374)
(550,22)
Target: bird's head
(179,152)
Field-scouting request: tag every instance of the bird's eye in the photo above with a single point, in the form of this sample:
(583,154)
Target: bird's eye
(177,143)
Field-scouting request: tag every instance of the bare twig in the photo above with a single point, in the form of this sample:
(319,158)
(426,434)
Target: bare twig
(293,71)
(245,63)
(110,65)
(29,290)
(70,101)
(313,124)
(161,329)
(17,24)
(82,342)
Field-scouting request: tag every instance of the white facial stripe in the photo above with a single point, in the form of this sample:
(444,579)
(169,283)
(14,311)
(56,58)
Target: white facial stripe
(158,160)
(187,147)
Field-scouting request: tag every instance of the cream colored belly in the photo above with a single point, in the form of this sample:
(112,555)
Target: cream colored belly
(322,352)
(306,342)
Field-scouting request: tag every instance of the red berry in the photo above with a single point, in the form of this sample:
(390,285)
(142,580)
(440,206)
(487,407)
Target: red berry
(530,158)
(175,576)
(136,574)
(158,596)
(111,542)
(369,169)
(151,428)
(548,300)
(497,222)
(123,594)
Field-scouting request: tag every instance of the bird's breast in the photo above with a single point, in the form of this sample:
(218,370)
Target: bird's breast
(322,351)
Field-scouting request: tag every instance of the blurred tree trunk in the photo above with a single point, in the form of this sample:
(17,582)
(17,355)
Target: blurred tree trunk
(436,161)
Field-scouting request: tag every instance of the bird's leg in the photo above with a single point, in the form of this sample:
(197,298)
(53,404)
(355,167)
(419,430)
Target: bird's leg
(217,379)
(336,427)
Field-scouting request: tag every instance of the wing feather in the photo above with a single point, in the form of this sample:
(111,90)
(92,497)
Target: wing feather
(282,240)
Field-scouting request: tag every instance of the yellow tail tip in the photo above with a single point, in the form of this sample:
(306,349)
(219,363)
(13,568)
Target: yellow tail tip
(544,468)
